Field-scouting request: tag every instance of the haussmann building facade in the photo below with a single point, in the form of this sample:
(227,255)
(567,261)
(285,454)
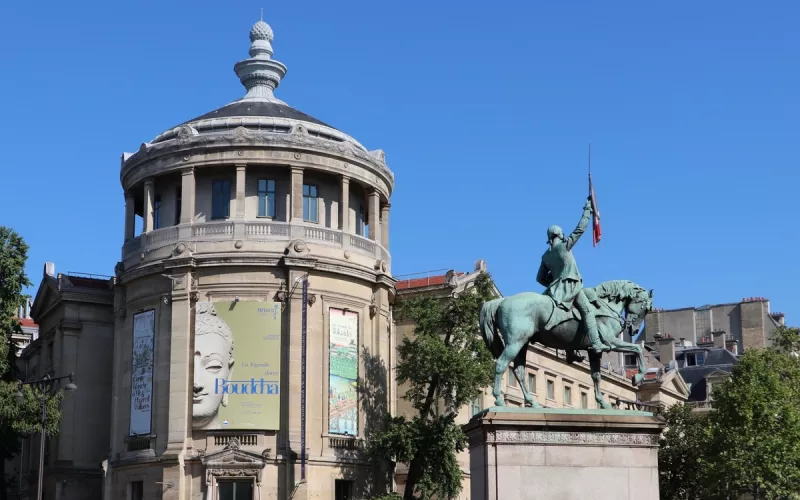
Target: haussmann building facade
(246,211)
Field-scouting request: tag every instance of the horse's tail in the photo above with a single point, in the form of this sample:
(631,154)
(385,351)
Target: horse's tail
(488,321)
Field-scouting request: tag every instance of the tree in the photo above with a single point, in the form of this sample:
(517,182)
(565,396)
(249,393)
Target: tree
(755,427)
(681,456)
(17,418)
(445,365)
(787,341)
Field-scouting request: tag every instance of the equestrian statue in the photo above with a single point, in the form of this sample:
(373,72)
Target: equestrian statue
(566,316)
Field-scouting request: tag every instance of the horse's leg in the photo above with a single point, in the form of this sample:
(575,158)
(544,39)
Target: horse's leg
(520,372)
(594,365)
(500,367)
(620,345)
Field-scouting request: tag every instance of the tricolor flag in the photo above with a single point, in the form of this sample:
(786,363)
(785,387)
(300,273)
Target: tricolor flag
(597,233)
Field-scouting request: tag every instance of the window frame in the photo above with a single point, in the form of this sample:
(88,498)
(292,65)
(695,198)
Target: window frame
(310,215)
(567,392)
(511,379)
(157,212)
(178,204)
(219,203)
(550,394)
(267,198)
(584,400)
(532,382)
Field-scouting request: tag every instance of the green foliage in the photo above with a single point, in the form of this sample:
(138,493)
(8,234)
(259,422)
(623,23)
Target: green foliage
(388,496)
(682,453)
(16,417)
(787,340)
(755,444)
(445,365)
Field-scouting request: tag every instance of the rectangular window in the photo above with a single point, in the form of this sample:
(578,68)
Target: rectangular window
(310,203)
(584,400)
(137,490)
(266,198)
(361,222)
(532,382)
(475,407)
(551,390)
(343,490)
(511,380)
(178,202)
(220,199)
(568,395)
(235,490)
(695,358)
(630,360)
(157,212)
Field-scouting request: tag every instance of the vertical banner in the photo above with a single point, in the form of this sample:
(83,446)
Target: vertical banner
(237,365)
(142,372)
(343,372)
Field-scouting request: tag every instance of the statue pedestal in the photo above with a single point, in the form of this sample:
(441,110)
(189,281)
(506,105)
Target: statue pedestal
(520,453)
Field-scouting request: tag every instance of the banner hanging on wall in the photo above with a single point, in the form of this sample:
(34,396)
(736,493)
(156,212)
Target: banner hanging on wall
(343,372)
(142,372)
(237,365)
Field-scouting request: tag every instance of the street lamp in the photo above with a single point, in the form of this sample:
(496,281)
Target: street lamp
(47,388)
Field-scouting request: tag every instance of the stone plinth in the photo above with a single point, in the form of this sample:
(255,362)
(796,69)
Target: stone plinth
(563,454)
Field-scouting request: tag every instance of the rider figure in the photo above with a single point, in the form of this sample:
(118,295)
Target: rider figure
(559,273)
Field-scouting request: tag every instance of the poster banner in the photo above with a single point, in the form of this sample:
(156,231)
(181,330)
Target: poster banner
(343,372)
(237,365)
(142,372)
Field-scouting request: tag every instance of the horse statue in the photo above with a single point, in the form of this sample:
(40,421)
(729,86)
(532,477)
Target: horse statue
(527,317)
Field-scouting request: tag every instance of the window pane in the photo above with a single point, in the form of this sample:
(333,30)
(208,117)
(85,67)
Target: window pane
(567,395)
(584,400)
(262,204)
(305,208)
(512,380)
(314,208)
(551,389)
(306,191)
(532,383)
(271,204)
(262,186)
(270,186)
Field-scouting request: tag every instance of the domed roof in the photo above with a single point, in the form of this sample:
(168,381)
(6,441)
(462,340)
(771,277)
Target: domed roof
(260,74)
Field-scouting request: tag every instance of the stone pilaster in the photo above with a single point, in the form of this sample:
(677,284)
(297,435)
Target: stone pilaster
(344,204)
(240,184)
(187,195)
(374,215)
(130,216)
(297,194)
(149,194)
(385,225)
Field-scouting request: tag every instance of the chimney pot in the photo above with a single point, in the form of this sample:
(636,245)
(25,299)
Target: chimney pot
(49,269)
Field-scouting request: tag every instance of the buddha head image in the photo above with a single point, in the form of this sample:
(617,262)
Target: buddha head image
(213,365)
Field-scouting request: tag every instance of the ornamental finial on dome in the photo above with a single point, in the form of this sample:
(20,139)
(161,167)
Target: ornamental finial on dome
(260,74)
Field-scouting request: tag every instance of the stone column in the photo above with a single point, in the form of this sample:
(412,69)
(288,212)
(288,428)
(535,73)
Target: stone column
(240,182)
(147,226)
(344,205)
(374,213)
(385,225)
(130,216)
(187,196)
(297,194)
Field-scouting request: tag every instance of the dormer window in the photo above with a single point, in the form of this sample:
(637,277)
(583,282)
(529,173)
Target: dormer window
(695,358)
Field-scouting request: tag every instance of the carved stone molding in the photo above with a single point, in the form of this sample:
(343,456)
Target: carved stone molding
(579,438)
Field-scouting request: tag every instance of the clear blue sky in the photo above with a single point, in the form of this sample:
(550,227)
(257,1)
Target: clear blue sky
(485,113)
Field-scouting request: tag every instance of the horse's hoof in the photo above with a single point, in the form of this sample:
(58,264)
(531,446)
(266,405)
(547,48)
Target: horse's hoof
(637,379)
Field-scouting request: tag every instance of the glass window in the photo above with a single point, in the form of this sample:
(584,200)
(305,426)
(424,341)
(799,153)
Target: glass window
(551,390)
(235,490)
(310,203)
(343,490)
(532,382)
(476,406)
(157,212)
(630,360)
(511,380)
(178,202)
(137,490)
(361,226)
(266,198)
(220,199)
(584,400)
(568,395)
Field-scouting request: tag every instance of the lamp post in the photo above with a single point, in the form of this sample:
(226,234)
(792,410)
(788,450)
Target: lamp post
(46,388)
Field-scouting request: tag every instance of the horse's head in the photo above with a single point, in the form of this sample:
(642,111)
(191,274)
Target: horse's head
(637,307)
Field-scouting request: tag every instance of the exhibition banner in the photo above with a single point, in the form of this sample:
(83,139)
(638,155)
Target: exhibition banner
(142,372)
(343,372)
(237,365)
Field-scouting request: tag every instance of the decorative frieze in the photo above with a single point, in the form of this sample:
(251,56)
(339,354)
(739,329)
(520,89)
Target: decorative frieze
(577,438)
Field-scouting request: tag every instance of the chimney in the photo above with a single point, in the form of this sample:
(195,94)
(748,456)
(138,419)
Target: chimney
(50,269)
(779,317)
(666,350)
(720,339)
(732,345)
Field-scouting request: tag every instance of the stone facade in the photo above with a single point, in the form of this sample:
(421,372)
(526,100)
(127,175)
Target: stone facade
(76,326)
(243,204)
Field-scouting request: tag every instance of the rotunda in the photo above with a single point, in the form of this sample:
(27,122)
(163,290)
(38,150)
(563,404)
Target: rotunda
(252,308)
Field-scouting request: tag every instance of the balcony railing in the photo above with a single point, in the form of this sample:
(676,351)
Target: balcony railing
(253,231)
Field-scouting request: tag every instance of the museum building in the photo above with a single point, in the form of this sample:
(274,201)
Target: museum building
(264,254)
